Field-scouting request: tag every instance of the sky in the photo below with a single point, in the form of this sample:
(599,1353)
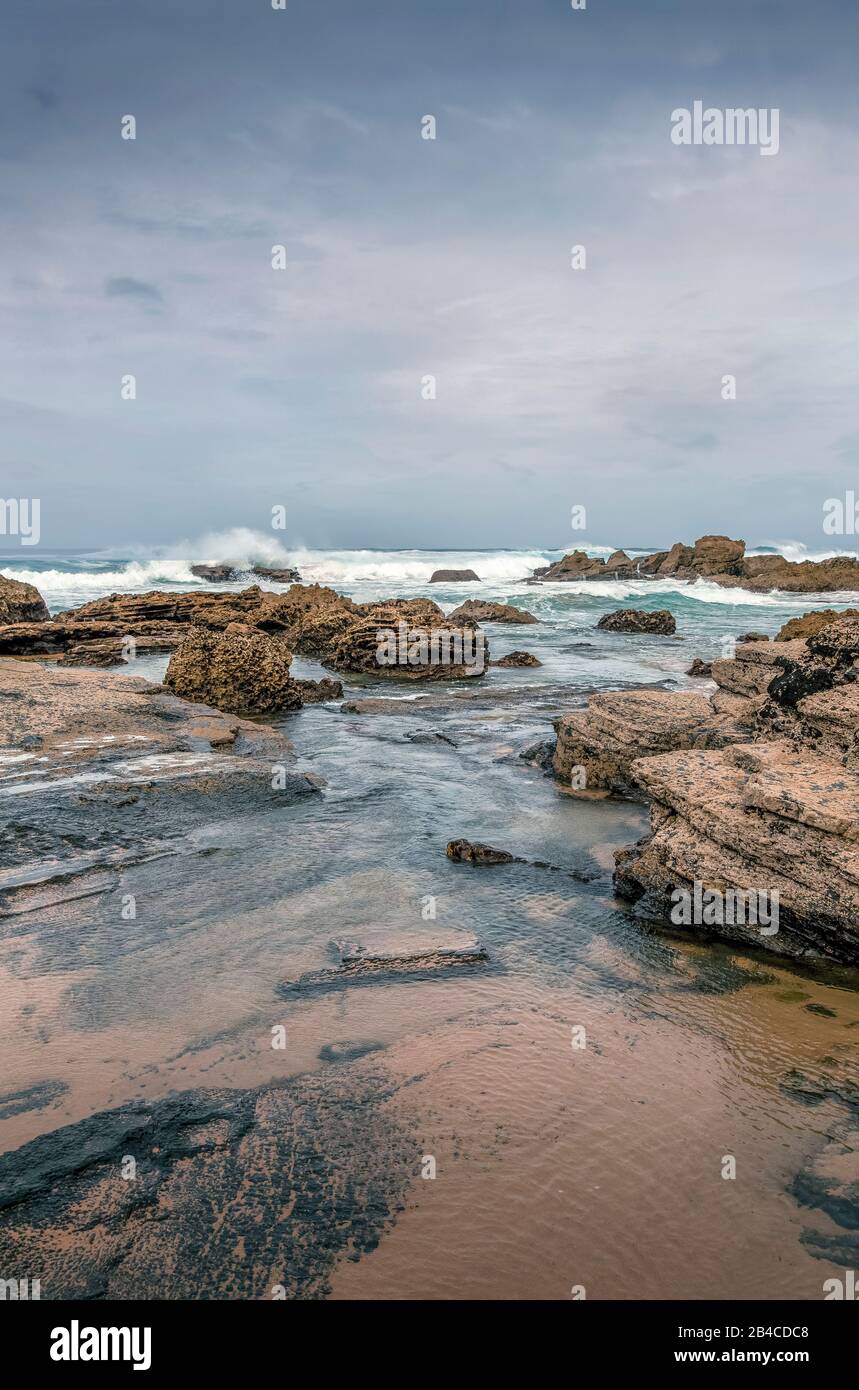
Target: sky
(405,258)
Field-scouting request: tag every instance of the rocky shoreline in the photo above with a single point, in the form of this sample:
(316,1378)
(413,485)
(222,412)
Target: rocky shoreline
(754,788)
(717,559)
(753,784)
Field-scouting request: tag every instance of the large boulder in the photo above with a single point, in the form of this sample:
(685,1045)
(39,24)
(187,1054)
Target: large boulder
(21,603)
(454,577)
(402,641)
(660,622)
(475,610)
(717,555)
(241,671)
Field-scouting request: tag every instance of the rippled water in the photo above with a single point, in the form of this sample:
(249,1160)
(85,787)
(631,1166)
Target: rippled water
(555,1166)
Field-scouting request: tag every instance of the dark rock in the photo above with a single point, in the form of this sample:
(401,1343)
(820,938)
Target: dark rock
(463,852)
(454,577)
(315,692)
(517,659)
(700,668)
(797,680)
(215,574)
(636,620)
(753,637)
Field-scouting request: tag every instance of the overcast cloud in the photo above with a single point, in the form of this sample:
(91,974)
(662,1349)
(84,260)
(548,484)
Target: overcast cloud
(408,257)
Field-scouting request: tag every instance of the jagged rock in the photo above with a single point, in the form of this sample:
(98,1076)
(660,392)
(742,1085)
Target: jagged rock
(277,576)
(315,692)
(700,668)
(838,641)
(718,559)
(799,679)
(464,852)
(241,670)
(636,620)
(454,577)
(21,603)
(619,566)
(753,637)
(477,611)
(577,565)
(215,574)
(517,659)
(227,574)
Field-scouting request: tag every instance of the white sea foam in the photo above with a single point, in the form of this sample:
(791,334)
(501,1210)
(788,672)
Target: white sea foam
(366,573)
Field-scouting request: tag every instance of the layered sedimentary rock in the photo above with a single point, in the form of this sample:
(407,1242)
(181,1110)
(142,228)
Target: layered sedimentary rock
(766,819)
(716,558)
(603,741)
(313,621)
(753,792)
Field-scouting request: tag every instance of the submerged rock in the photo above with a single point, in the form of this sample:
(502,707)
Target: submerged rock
(464,852)
(316,692)
(637,620)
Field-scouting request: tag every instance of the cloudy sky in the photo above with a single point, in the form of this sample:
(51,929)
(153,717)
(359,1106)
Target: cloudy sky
(408,257)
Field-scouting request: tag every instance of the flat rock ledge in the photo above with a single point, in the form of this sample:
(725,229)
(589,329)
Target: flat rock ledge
(754,789)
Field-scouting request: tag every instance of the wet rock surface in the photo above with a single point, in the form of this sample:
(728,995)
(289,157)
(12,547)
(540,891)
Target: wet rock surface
(464,852)
(637,620)
(235,1192)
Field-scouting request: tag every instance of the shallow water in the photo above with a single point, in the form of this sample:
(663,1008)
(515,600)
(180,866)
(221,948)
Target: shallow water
(556,1165)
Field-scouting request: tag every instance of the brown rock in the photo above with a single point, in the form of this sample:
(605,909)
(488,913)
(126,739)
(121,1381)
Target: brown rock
(454,577)
(477,611)
(810,623)
(464,852)
(241,671)
(21,603)
(516,659)
(315,692)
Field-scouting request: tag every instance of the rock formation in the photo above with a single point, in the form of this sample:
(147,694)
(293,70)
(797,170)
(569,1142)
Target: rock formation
(241,670)
(313,621)
(475,610)
(716,558)
(454,577)
(753,791)
(21,603)
(637,620)
(516,659)
(228,574)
